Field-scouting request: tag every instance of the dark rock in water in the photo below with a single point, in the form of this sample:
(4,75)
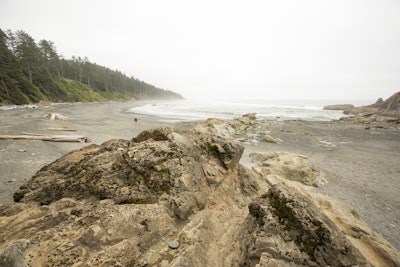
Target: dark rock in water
(173,244)
(339,107)
(250,116)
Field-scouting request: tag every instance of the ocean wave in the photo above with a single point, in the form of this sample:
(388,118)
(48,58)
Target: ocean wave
(198,110)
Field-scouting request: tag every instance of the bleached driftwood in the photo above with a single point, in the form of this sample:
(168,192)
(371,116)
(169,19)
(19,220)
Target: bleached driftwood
(62,129)
(55,116)
(45,137)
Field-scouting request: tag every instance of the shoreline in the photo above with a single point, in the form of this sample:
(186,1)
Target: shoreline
(100,121)
(361,166)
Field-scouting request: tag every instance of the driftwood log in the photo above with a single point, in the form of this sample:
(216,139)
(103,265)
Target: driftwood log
(45,137)
(55,116)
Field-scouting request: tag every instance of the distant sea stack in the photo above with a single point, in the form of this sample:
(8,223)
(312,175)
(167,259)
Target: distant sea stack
(339,107)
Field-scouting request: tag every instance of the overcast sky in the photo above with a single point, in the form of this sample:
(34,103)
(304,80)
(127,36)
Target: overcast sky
(310,49)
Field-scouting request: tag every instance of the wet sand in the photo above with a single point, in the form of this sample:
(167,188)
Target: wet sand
(361,166)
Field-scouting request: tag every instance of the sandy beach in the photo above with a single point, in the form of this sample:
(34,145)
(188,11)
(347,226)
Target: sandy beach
(361,166)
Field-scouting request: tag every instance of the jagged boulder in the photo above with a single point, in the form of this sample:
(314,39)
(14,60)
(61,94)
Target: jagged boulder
(378,104)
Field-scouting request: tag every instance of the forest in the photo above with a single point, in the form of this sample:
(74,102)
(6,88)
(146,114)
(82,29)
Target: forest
(33,72)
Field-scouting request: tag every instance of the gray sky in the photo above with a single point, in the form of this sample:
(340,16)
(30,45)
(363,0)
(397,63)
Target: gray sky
(311,49)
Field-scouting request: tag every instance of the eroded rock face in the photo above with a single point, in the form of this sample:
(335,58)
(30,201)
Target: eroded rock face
(288,165)
(293,225)
(289,227)
(122,203)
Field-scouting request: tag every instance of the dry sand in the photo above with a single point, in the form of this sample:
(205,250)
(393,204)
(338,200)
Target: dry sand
(362,166)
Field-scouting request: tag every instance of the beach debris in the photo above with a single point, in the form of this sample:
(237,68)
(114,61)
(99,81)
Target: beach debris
(268,138)
(51,138)
(327,144)
(173,244)
(55,116)
(62,129)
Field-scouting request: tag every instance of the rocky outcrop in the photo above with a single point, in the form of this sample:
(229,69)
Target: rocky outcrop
(378,104)
(223,128)
(290,226)
(392,104)
(157,165)
(381,114)
(123,203)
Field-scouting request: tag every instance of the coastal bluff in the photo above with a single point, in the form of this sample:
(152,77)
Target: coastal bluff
(381,114)
(172,197)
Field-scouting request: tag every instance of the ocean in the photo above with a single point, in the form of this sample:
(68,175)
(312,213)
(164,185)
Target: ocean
(192,110)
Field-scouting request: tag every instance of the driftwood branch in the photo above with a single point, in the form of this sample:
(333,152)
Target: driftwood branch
(51,138)
(62,129)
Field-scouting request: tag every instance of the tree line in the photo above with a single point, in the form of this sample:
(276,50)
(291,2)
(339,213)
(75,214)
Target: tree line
(31,72)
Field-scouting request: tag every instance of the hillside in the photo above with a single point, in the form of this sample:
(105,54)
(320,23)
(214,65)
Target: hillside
(390,105)
(31,72)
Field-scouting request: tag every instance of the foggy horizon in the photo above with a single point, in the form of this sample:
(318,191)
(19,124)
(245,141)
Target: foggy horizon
(286,50)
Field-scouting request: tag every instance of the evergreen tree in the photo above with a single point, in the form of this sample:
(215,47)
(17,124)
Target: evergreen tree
(50,58)
(14,86)
(31,72)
